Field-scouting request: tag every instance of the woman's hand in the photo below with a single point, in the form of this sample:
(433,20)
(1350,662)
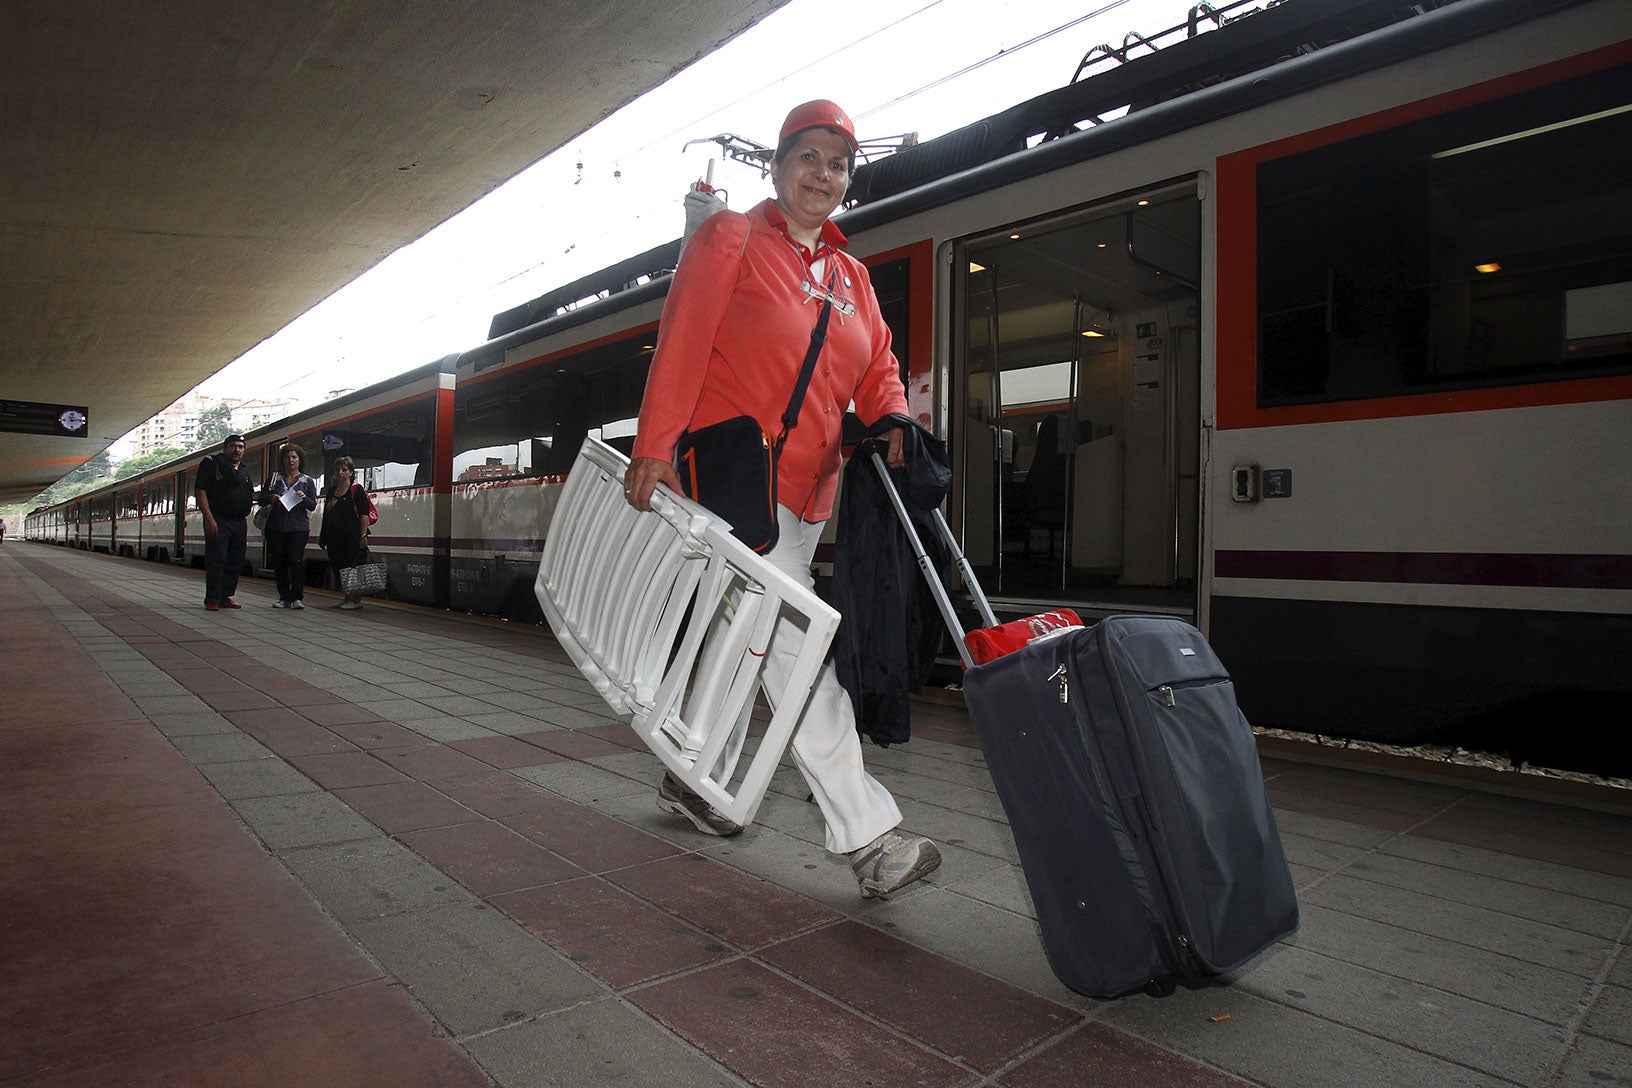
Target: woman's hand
(642,478)
(896,458)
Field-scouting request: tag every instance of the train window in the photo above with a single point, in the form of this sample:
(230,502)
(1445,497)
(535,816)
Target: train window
(390,448)
(531,420)
(1485,246)
(159,498)
(890,283)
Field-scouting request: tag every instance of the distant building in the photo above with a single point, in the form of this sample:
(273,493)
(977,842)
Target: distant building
(493,469)
(249,415)
(178,424)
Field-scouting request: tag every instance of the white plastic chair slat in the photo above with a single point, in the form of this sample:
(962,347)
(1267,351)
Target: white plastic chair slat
(654,571)
(716,672)
(674,600)
(604,564)
(711,588)
(670,618)
(651,685)
(722,747)
(570,536)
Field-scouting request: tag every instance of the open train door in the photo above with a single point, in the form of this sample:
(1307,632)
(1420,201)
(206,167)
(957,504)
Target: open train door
(1076,406)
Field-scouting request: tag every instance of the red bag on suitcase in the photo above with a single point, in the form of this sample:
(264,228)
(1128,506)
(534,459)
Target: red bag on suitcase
(989,643)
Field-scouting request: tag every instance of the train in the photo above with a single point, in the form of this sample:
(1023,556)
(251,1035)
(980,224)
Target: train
(1309,323)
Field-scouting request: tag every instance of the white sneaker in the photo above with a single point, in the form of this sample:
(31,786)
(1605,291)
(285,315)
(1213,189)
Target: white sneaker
(892,861)
(673,796)
(297,604)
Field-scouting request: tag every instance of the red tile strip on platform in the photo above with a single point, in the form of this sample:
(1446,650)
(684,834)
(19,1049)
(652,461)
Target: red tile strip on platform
(608,932)
(1103,1055)
(147,935)
(728,903)
(954,1009)
(778,1034)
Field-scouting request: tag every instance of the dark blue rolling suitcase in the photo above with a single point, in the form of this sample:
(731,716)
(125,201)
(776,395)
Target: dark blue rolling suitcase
(1132,785)
(1131,782)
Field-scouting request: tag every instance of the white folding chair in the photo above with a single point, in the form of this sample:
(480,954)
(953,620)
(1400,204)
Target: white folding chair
(671,618)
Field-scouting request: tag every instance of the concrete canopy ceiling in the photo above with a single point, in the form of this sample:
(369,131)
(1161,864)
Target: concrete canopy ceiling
(179,180)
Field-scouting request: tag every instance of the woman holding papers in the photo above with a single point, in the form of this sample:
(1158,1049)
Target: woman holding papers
(291,495)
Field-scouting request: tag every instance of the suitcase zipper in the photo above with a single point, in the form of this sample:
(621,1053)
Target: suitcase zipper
(1169,693)
(1065,682)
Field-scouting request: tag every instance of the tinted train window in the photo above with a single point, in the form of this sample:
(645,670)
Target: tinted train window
(890,283)
(530,421)
(390,448)
(158,498)
(1487,246)
(254,463)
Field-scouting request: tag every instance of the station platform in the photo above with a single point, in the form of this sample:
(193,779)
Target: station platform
(396,848)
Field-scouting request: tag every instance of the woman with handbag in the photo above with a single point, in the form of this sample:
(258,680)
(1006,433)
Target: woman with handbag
(764,304)
(288,525)
(344,526)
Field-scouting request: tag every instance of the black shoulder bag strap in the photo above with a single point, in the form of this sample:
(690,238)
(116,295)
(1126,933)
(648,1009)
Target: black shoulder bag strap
(818,336)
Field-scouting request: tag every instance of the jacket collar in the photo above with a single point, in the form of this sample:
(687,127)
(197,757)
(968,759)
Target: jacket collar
(832,236)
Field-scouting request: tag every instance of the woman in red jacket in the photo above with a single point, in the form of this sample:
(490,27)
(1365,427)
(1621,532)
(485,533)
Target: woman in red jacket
(735,330)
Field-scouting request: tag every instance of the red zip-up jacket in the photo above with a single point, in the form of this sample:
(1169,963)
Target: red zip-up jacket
(735,329)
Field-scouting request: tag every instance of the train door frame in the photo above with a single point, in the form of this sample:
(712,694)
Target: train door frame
(1164,369)
(179,515)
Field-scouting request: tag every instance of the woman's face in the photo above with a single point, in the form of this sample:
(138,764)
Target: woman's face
(342,473)
(291,461)
(813,178)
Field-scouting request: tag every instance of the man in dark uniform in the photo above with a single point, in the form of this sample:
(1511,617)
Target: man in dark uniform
(225,493)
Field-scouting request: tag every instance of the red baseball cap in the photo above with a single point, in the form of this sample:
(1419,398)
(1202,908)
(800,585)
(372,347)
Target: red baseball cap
(820,114)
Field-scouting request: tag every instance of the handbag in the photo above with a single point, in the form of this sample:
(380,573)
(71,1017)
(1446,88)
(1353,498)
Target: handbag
(263,512)
(730,466)
(363,578)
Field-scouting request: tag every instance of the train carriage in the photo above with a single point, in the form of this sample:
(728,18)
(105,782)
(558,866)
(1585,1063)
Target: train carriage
(97,523)
(127,519)
(1315,329)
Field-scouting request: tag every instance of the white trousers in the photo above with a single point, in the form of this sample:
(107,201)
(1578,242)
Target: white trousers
(826,747)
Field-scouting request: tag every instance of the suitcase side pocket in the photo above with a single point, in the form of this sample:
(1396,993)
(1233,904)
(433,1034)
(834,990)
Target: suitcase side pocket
(1238,892)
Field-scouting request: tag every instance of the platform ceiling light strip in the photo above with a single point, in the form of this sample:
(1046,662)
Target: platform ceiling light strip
(671,618)
(1529,132)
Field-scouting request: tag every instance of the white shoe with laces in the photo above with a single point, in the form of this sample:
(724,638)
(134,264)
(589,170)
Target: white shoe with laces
(674,796)
(892,861)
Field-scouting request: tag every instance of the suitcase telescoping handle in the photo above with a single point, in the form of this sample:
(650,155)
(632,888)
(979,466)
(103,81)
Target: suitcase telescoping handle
(931,577)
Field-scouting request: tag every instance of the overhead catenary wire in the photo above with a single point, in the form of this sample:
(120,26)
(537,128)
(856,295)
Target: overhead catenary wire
(447,306)
(694,123)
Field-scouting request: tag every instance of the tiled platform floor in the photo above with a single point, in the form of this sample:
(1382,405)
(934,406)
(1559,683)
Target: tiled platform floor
(392,848)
